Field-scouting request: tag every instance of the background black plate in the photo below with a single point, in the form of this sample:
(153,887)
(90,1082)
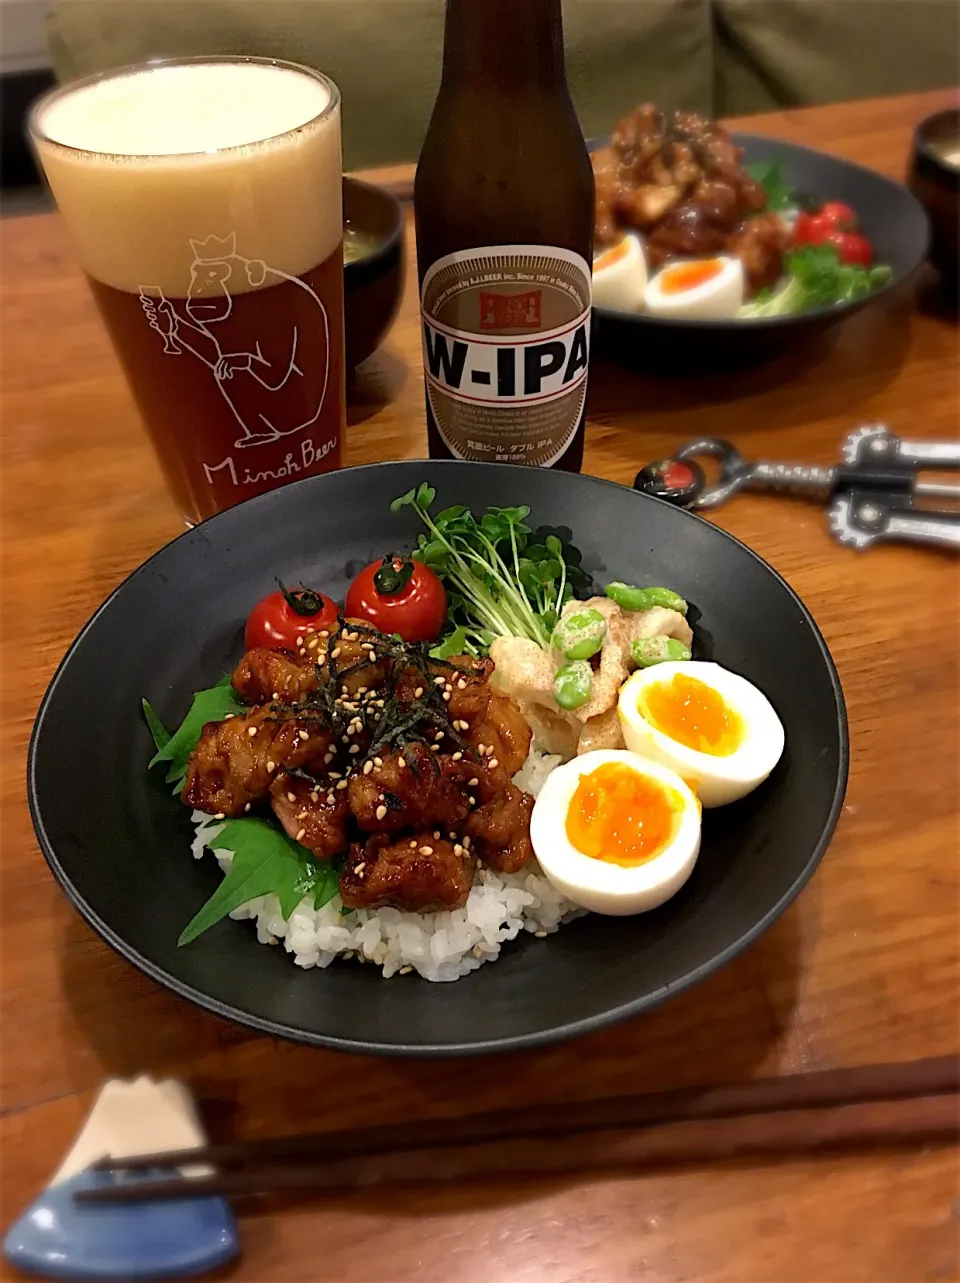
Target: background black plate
(119,843)
(891,218)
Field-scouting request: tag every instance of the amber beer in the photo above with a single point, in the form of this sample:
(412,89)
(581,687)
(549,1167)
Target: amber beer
(504,216)
(204,200)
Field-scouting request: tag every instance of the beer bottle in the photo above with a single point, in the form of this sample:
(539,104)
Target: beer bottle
(503,204)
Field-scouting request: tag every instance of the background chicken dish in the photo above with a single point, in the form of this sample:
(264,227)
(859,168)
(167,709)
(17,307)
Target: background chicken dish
(685,230)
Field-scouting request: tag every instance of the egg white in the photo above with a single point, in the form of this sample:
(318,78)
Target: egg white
(713,300)
(599,885)
(716,780)
(620,286)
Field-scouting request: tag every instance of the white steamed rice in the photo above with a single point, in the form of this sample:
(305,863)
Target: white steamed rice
(440,946)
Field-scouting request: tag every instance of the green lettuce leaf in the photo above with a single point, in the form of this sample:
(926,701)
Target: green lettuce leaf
(211,705)
(265,861)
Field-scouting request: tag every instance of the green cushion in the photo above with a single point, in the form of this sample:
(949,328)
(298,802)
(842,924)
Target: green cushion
(385,54)
(771,53)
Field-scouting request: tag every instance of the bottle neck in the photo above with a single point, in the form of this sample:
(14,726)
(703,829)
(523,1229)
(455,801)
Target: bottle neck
(503,45)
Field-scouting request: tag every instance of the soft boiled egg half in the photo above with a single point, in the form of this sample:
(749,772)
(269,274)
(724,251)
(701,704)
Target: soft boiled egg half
(620,276)
(713,728)
(615,833)
(703,289)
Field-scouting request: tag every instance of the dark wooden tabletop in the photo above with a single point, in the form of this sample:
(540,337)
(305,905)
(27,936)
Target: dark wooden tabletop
(862,969)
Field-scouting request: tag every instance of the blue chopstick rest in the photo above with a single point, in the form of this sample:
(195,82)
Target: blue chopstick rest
(56,1237)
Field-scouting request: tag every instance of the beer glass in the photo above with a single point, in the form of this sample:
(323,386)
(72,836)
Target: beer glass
(204,200)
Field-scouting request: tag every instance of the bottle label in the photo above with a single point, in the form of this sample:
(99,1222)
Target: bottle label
(506,340)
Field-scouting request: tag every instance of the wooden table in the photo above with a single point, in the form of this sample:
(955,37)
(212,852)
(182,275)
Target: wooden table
(861,969)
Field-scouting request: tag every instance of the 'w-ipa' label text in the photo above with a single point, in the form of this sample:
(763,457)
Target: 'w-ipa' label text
(506,342)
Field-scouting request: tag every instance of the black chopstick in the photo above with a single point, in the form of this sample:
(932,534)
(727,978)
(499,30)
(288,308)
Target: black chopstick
(900,1122)
(818,1089)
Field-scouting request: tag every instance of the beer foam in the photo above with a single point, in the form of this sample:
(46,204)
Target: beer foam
(155,170)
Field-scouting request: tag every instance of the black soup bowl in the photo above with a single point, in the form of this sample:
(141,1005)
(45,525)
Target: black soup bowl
(119,843)
(890,217)
(935,181)
(373,280)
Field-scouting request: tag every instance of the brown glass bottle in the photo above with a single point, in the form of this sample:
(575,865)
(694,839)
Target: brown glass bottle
(503,203)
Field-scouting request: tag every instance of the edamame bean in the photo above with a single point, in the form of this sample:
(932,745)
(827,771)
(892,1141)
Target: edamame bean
(647,651)
(580,635)
(573,683)
(666,598)
(628,597)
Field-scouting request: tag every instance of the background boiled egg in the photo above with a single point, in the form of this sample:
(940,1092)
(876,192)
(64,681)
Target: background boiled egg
(713,728)
(620,276)
(615,833)
(706,289)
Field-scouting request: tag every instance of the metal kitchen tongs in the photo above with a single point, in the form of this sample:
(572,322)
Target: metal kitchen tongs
(870,496)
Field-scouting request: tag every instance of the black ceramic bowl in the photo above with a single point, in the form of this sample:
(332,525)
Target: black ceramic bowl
(373,284)
(890,217)
(936,184)
(119,843)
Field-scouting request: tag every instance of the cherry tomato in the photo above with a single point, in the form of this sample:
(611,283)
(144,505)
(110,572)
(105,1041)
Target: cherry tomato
(815,229)
(851,247)
(278,620)
(399,595)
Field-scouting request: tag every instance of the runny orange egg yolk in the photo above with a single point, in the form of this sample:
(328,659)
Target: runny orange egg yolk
(621,816)
(611,256)
(687,276)
(692,713)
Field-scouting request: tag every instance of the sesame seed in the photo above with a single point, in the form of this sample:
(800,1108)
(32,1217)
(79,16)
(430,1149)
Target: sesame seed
(360,868)
(341,784)
(426,850)
(321,660)
(381,812)
(452,837)
(461,685)
(481,749)
(251,731)
(367,768)
(401,762)
(434,748)
(458,849)
(301,833)
(313,643)
(413,846)
(291,797)
(473,783)
(540,935)
(466,843)
(344,739)
(458,756)
(361,690)
(493,763)
(302,815)
(477,951)
(220,815)
(418,692)
(247,807)
(446,696)
(464,725)
(439,681)
(335,775)
(436,835)
(271,766)
(303,735)
(315,797)
(330,799)
(228,716)
(405,971)
(327,758)
(335,652)
(378,761)
(323,632)
(354,748)
(472,801)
